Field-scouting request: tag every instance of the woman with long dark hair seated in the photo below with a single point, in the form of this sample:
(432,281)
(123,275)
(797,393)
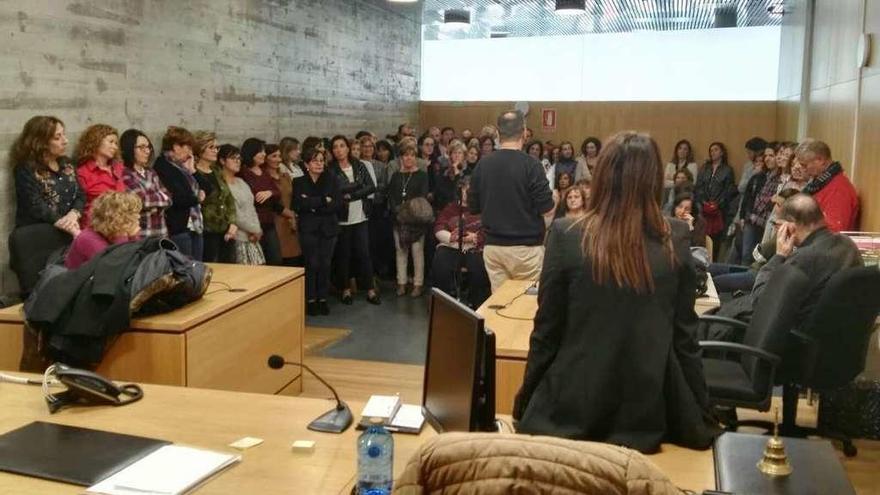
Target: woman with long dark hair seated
(613,356)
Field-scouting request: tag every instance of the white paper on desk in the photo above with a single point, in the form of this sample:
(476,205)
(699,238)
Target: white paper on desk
(170,470)
(408,416)
(381,406)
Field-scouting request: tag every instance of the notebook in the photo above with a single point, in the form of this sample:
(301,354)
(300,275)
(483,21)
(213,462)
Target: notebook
(170,470)
(397,417)
(70,454)
(817,469)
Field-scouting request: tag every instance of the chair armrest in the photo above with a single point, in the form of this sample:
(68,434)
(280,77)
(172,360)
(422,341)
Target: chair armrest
(734,348)
(805,339)
(724,320)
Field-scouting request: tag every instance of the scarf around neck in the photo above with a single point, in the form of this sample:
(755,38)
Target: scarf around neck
(822,180)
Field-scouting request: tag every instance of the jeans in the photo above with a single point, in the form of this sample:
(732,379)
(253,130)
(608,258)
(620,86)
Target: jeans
(271,245)
(731,278)
(318,253)
(189,243)
(445,268)
(752,235)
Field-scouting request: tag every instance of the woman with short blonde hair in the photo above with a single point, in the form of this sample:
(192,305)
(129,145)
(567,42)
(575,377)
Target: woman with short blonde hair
(115,219)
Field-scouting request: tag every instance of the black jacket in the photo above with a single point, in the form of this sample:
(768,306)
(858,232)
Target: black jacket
(317,215)
(719,187)
(753,188)
(182,196)
(79,309)
(609,365)
(358,189)
(822,254)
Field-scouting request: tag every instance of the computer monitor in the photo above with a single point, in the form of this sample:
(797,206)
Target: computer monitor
(459,384)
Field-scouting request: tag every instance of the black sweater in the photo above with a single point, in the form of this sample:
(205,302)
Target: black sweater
(356,190)
(416,187)
(510,191)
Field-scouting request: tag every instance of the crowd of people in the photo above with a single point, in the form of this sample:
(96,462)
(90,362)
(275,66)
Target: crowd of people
(354,210)
(608,232)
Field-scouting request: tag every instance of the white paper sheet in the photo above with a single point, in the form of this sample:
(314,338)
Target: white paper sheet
(170,470)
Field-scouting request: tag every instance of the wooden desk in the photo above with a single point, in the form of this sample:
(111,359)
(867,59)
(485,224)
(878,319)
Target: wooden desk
(212,419)
(513,332)
(221,341)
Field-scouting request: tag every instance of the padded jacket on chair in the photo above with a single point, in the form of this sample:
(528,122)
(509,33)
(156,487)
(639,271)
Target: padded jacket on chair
(492,463)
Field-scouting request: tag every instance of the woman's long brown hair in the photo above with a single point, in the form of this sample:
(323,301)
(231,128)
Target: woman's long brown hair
(624,209)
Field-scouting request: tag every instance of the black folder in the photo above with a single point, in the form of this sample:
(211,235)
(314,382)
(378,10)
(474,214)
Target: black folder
(817,468)
(70,454)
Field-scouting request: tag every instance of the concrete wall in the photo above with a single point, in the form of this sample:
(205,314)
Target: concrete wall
(264,68)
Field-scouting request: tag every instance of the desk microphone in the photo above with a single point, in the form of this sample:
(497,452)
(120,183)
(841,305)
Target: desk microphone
(336,420)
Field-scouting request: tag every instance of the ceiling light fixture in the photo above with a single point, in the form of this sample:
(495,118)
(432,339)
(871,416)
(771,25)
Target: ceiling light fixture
(457,17)
(403,1)
(571,7)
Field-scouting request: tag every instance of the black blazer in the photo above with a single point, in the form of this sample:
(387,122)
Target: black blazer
(317,215)
(182,197)
(609,365)
(719,187)
(359,189)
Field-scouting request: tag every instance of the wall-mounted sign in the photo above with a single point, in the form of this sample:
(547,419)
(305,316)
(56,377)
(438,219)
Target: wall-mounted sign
(548,119)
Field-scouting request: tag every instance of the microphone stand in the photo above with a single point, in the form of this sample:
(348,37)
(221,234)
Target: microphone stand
(336,420)
(459,264)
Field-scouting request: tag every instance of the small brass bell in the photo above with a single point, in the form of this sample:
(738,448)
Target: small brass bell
(775,461)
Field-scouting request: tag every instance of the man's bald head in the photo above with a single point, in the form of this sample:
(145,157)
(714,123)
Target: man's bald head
(803,210)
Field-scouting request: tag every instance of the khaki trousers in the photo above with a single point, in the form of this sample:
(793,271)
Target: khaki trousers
(512,262)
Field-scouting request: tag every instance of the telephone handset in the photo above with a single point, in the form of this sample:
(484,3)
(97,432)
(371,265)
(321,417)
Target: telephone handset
(86,388)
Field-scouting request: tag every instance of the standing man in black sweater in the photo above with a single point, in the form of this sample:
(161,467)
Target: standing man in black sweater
(511,192)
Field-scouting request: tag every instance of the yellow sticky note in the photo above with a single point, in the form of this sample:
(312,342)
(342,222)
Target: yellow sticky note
(246,443)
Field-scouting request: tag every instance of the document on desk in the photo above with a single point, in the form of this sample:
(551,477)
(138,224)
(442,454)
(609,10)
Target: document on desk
(171,470)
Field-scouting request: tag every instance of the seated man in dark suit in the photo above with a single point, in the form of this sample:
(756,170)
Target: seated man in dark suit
(804,241)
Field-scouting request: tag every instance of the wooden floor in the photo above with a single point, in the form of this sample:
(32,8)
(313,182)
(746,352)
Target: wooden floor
(357,380)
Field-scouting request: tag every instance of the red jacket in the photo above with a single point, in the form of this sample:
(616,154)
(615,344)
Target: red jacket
(94,181)
(840,204)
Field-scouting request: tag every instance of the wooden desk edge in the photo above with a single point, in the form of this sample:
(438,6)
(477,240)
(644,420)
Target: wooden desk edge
(14,314)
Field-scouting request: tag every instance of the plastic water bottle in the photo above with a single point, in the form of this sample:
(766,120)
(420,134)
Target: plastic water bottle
(375,460)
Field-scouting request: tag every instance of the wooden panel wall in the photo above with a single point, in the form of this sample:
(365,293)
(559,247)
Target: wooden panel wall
(834,77)
(843,106)
(731,122)
(867,175)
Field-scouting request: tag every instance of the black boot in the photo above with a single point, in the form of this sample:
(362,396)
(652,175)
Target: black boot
(312,308)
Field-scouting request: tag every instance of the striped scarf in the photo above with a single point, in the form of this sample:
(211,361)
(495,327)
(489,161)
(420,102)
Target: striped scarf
(822,179)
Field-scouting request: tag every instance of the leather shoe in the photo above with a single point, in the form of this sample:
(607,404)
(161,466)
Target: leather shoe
(374,299)
(346,299)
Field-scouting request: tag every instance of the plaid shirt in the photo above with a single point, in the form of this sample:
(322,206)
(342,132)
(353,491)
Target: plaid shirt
(155,199)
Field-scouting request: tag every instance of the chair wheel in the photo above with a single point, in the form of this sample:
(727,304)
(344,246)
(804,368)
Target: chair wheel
(849,449)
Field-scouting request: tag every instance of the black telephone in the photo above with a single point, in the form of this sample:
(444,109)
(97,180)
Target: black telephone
(87,388)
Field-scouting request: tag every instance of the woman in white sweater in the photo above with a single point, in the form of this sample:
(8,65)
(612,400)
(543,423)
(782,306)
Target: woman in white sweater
(247,238)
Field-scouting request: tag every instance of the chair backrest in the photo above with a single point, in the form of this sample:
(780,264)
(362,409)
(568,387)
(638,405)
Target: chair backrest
(775,315)
(29,248)
(842,323)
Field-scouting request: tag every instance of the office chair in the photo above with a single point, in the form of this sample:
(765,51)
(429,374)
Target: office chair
(743,374)
(831,348)
(29,250)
